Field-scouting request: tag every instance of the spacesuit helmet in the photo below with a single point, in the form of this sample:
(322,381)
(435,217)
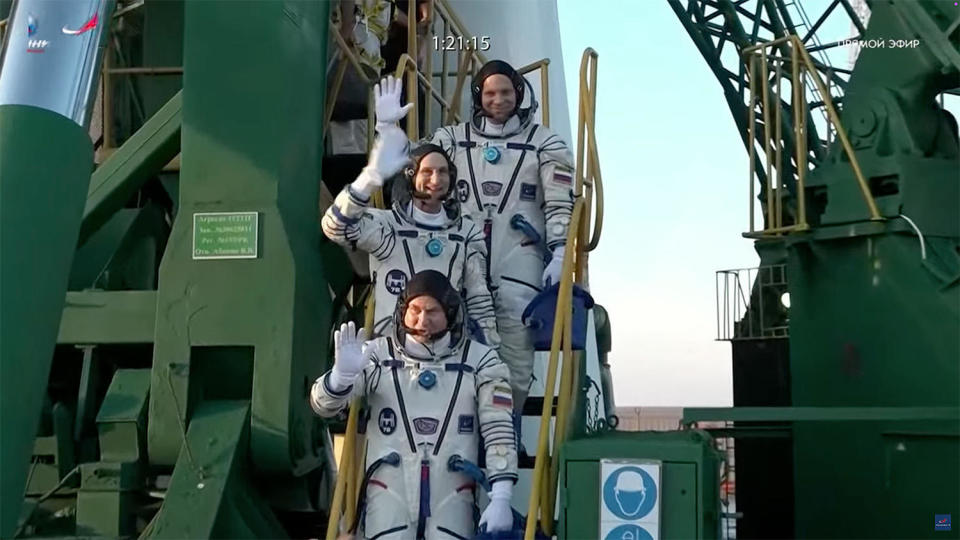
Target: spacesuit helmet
(436,285)
(404,187)
(496,67)
(499,67)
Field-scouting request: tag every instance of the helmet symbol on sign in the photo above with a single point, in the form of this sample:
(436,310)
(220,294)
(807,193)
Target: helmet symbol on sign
(630,493)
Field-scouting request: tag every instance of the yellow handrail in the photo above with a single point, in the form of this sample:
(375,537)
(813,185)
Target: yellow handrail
(544,66)
(560,316)
(353,454)
(542,500)
(568,375)
(801,66)
(591,178)
(842,133)
(346,462)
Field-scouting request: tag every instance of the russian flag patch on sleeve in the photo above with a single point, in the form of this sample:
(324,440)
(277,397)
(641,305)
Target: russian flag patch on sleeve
(562,178)
(502,397)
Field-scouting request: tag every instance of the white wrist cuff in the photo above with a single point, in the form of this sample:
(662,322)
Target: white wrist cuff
(340,381)
(367,182)
(501,490)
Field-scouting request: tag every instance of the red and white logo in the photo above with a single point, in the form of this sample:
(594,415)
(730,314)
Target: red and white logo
(89,25)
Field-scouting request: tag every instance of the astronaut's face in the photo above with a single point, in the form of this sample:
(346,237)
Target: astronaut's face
(424,317)
(498,97)
(433,176)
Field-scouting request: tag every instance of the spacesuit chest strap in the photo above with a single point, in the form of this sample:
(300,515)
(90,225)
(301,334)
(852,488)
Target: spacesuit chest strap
(516,170)
(521,146)
(470,145)
(400,402)
(453,399)
(449,366)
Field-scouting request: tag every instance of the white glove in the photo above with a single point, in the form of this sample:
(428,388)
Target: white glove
(388,156)
(551,274)
(348,346)
(387,95)
(498,515)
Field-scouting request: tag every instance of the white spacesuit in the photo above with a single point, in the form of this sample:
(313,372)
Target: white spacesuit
(516,178)
(405,239)
(430,396)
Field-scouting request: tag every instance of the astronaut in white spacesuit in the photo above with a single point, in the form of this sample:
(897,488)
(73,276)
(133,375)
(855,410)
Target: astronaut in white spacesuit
(515,178)
(422,230)
(431,393)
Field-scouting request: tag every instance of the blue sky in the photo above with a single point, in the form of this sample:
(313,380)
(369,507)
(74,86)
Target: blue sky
(675,174)
(676,199)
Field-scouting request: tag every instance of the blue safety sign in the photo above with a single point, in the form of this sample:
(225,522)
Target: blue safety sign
(629,493)
(628,532)
(629,500)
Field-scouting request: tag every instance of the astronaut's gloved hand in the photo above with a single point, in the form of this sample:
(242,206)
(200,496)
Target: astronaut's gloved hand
(388,156)
(551,274)
(349,347)
(387,94)
(499,515)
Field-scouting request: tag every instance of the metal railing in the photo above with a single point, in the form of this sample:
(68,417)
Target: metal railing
(802,23)
(107,74)
(763,67)
(581,238)
(738,318)
(728,480)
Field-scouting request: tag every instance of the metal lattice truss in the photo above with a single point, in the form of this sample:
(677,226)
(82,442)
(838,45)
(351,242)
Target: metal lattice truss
(723,29)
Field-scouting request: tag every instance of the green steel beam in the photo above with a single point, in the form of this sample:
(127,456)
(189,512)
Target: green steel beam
(818,414)
(106,499)
(122,419)
(751,432)
(140,157)
(210,494)
(108,317)
(254,150)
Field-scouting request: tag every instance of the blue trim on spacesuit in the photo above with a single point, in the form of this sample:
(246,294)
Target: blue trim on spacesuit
(357,198)
(331,391)
(342,218)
